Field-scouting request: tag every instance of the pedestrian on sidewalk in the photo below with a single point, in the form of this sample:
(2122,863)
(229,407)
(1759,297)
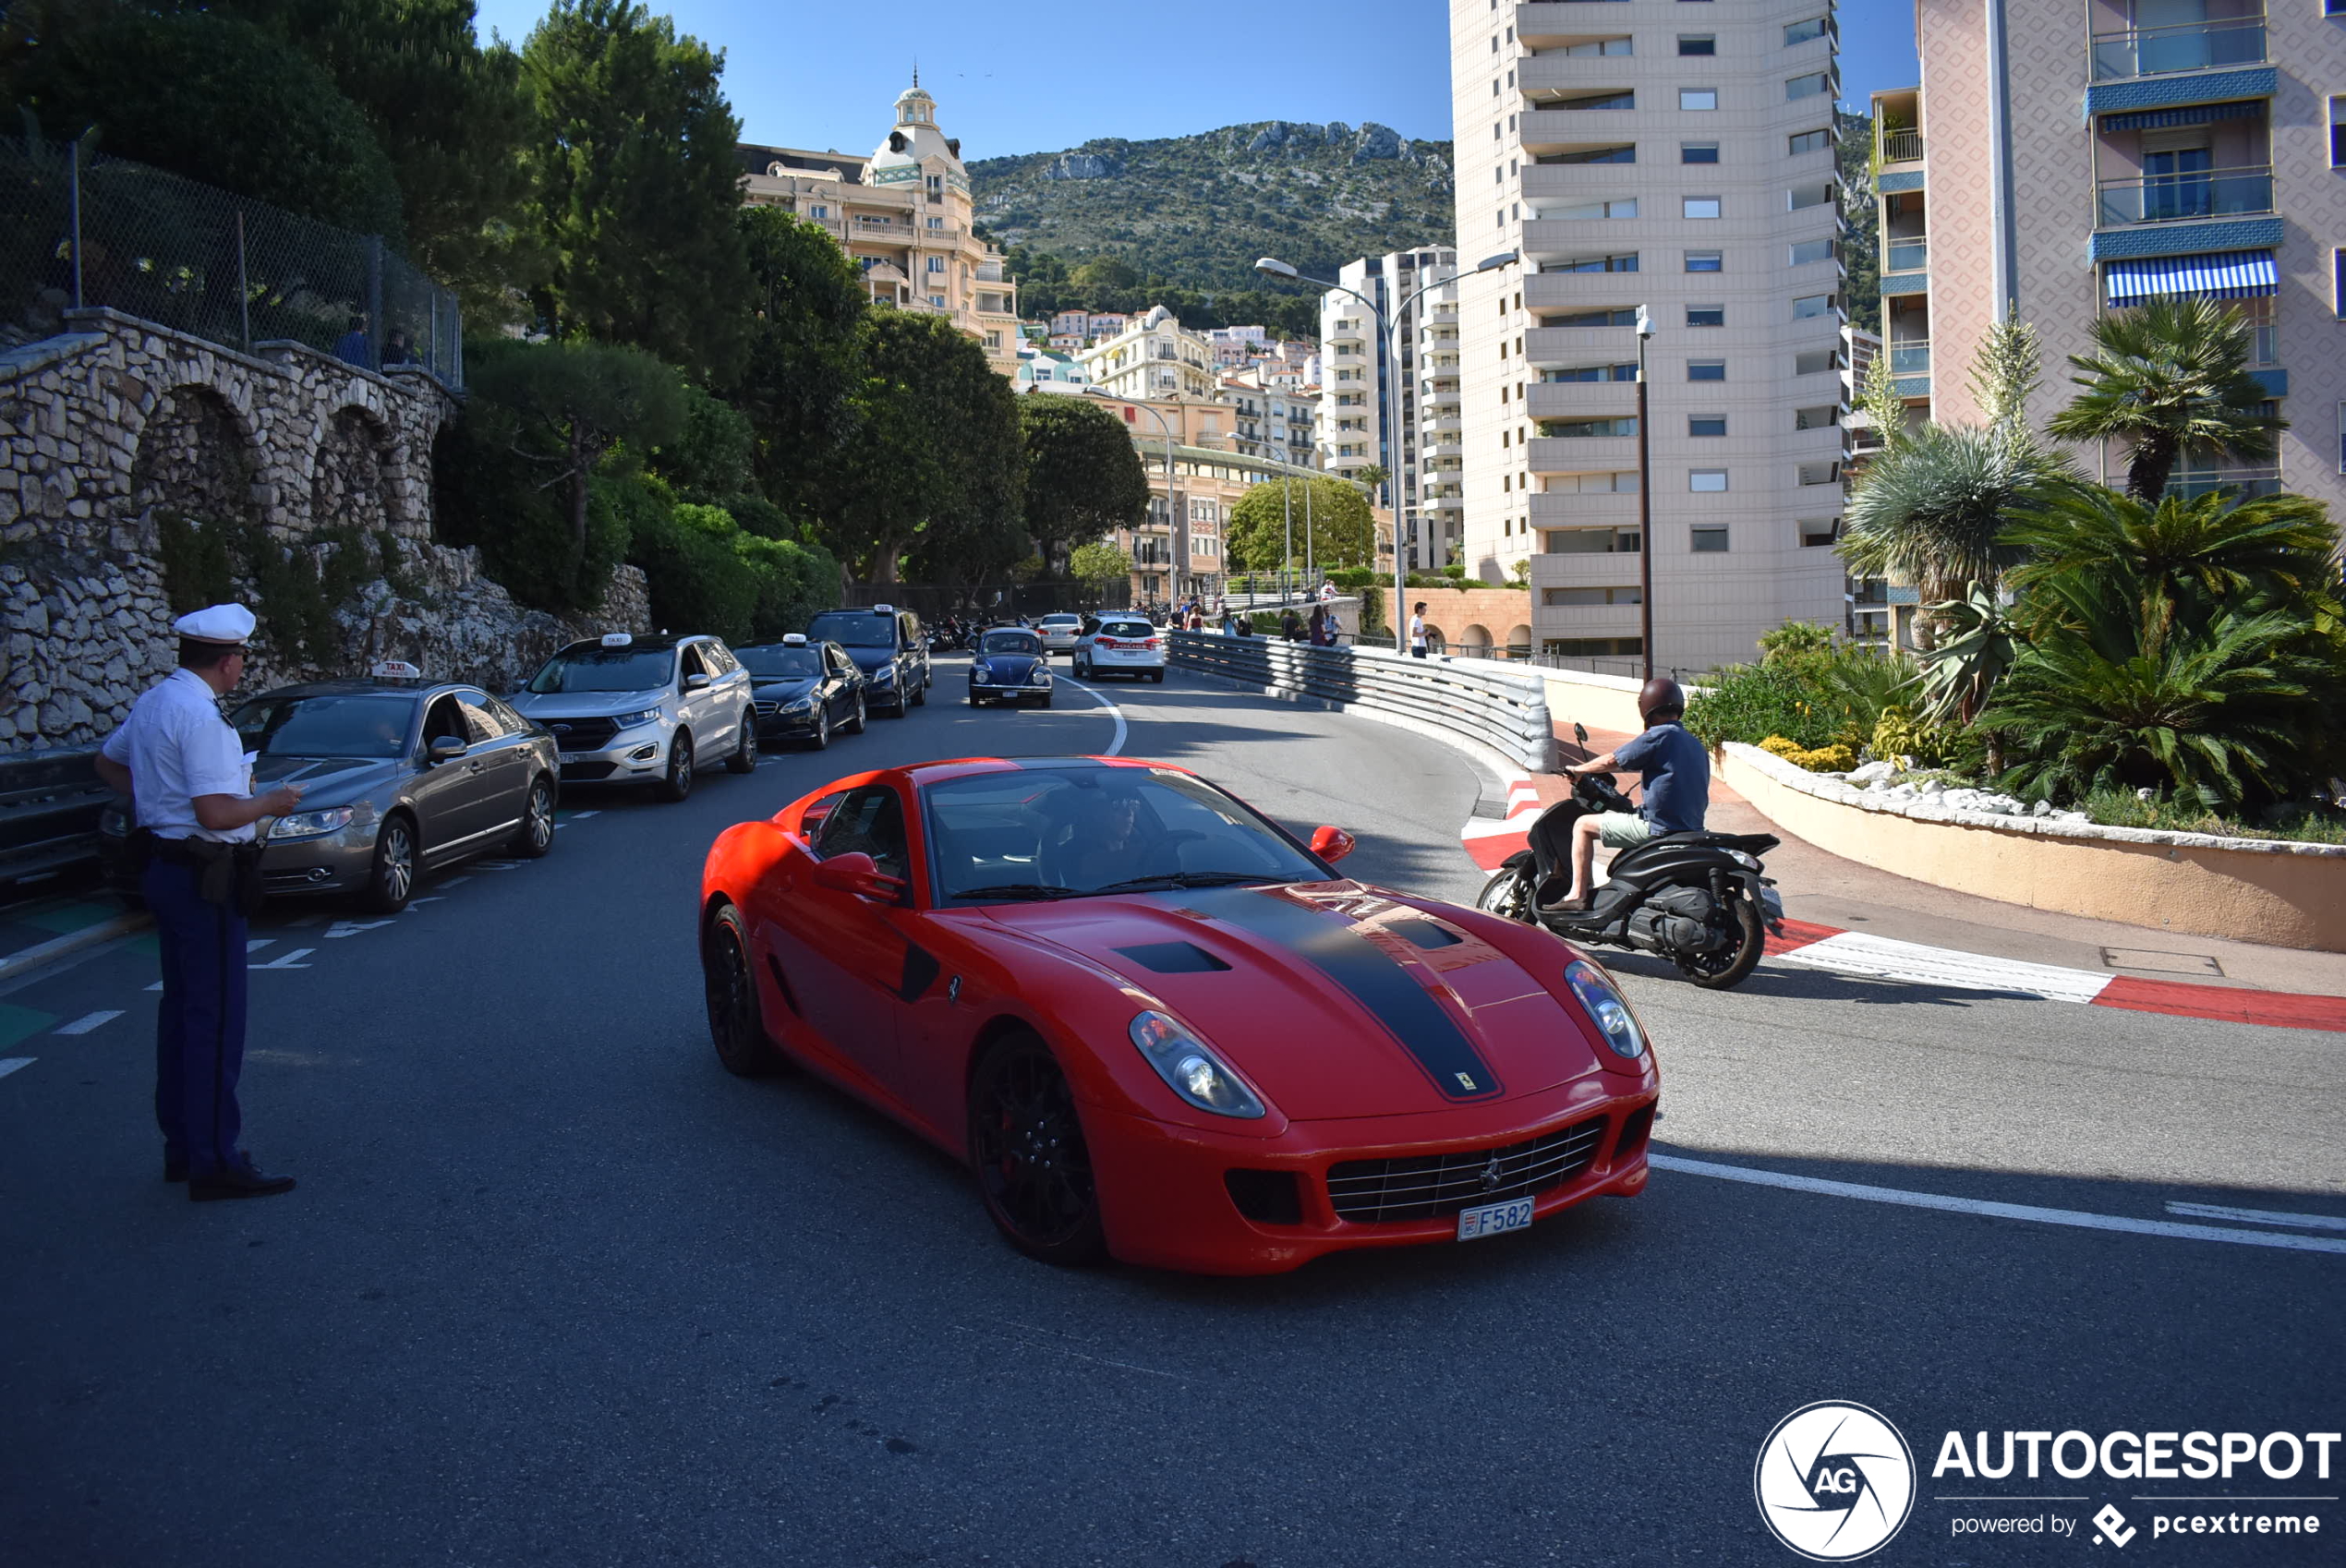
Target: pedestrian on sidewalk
(190,787)
(1417,630)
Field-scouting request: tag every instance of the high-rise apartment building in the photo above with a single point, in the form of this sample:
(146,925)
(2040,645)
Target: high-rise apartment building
(1360,385)
(1678,156)
(903,215)
(2063,158)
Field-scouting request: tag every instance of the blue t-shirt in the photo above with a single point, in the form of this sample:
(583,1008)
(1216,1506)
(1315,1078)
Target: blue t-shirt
(1677,777)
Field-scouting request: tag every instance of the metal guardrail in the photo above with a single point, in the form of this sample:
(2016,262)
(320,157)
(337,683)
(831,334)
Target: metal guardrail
(1498,710)
(50,802)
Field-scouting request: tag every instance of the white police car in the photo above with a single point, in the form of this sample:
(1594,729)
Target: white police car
(644,710)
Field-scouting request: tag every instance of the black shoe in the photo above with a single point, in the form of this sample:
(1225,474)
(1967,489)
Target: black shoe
(236,1181)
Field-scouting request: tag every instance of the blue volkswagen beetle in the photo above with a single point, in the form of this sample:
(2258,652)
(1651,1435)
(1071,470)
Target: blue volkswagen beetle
(1009,667)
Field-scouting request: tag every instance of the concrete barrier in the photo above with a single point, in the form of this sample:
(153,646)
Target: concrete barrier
(2273,891)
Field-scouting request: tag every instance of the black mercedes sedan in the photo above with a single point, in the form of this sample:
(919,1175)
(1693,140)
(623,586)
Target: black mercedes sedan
(803,690)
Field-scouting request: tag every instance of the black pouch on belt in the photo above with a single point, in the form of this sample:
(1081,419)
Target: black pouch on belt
(216,873)
(245,859)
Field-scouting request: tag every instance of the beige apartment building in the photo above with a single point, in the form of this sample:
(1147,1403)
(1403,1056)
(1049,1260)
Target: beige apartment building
(2063,158)
(1678,156)
(1153,356)
(903,215)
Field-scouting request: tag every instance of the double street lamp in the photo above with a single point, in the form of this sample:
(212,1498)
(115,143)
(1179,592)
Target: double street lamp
(1386,329)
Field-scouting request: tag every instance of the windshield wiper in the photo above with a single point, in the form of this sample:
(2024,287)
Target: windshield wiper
(1188,879)
(1007,890)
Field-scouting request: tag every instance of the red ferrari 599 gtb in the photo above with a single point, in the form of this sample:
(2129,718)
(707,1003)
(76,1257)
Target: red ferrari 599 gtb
(1158,1027)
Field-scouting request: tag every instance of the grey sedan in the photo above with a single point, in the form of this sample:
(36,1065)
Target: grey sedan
(396,779)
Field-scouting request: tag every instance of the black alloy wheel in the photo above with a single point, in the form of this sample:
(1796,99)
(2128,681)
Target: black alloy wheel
(677,782)
(1026,1145)
(745,758)
(391,881)
(1730,965)
(536,833)
(736,1022)
(1509,894)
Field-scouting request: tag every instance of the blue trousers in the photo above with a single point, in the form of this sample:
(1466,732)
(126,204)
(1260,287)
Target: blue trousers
(200,1030)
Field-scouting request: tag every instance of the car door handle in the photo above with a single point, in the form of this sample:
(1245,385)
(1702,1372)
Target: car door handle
(478,767)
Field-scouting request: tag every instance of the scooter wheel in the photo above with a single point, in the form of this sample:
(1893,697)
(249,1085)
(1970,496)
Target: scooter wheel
(1717,971)
(1509,894)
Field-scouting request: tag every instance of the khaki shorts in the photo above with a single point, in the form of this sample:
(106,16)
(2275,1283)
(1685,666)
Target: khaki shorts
(1623,830)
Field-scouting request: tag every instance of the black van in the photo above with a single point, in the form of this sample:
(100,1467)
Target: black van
(887,646)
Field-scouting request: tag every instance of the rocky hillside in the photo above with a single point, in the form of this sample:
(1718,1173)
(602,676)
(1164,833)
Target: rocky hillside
(1198,210)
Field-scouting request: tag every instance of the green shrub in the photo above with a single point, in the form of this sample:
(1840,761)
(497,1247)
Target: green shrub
(695,580)
(2123,808)
(483,494)
(1823,759)
(1810,698)
(1898,734)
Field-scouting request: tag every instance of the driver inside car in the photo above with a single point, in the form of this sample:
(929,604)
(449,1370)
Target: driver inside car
(1102,842)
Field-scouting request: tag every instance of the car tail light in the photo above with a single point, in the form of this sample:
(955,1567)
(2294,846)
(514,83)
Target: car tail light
(1150,643)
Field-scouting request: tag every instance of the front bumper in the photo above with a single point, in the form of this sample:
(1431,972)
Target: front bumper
(632,757)
(1167,1203)
(1023,692)
(787,726)
(330,862)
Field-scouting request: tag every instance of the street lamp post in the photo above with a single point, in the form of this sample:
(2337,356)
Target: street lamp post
(1176,523)
(1645,503)
(1385,330)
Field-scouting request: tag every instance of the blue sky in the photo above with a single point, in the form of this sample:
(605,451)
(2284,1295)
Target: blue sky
(1046,73)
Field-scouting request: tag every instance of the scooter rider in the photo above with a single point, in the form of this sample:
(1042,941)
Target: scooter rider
(1676,788)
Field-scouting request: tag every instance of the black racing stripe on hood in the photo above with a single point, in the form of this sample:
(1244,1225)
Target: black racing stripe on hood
(1370,975)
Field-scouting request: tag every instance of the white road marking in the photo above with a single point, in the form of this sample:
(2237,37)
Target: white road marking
(1116,746)
(2252,1216)
(254,943)
(342,928)
(88,1022)
(2028,1211)
(10,1064)
(431,898)
(286,961)
(583,816)
(305,920)
(1854,952)
(452,882)
(1492,828)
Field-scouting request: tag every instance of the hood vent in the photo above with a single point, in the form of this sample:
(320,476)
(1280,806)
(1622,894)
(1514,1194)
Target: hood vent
(1425,934)
(1173,957)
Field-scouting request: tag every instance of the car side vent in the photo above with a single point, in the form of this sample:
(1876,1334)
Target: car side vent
(1268,1198)
(1173,957)
(1425,934)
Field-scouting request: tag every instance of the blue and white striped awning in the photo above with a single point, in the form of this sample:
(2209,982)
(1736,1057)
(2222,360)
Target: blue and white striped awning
(2223,274)
(2189,114)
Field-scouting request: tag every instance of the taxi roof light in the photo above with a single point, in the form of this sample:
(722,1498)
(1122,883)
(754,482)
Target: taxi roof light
(396,669)
(617,639)
(795,639)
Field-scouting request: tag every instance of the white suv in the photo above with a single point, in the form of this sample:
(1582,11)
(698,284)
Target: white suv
(1058,632)
(643,710)
(1122,644)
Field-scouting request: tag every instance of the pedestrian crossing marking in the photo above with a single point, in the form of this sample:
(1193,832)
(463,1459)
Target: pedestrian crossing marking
(286,961)
(89,1021)
(10,1064)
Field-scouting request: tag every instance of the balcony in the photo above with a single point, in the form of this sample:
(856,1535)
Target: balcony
(1580,400)
(2192,46)
(2200,193)
(1556,347)
(1344,358)
(1572,454)
(1540,25)
(2246,484)
(1910,357)
(1901,146)
(1905,255)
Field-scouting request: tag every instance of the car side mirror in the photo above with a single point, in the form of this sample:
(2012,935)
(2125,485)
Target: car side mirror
(696,682)
(1331,844)
(447,748)
(856,874)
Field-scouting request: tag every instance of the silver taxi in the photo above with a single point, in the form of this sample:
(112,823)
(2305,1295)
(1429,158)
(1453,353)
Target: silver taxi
(644,710)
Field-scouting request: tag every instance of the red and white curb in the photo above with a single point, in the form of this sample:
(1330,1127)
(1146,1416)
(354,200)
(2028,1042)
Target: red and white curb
(1490,840)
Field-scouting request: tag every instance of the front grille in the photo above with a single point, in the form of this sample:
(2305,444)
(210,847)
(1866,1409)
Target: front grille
(582,734)
(767,707)
(587,772)
(1425,1187)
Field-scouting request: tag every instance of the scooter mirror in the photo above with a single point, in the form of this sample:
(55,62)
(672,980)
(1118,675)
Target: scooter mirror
(1580,733)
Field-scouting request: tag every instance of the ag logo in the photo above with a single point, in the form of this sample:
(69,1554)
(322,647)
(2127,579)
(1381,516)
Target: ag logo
(1834,1481)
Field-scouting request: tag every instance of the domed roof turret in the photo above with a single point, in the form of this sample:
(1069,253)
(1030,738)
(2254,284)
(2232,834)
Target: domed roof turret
(915,139)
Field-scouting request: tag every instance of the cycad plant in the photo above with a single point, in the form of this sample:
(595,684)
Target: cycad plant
(2169,377)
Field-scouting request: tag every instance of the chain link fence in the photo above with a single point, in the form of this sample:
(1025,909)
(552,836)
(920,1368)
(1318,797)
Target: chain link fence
(79,230)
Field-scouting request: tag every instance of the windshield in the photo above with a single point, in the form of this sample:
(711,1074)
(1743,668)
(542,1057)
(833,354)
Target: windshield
(372,724)
(604,669)
(1045,833)
(1127,629)
(856,629)
(782,662)
(1062,620)
(1011,642)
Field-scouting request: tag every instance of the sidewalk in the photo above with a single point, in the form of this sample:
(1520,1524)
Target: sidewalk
(1822,890)
(40,923)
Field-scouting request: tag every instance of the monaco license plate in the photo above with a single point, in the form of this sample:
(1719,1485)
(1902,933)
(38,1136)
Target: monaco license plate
(1493,1218)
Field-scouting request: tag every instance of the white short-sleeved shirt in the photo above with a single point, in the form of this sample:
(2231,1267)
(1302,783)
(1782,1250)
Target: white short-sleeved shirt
(1417,631)
(177,747)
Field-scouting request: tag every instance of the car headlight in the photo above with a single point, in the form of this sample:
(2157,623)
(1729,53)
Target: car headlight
(1607,1006)
(883,676)
(1042,676)
(629,721)
(804,705)
(310,824)
(1191,1070)
(980,677)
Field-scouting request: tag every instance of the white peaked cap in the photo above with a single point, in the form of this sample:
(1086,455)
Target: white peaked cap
(216,624)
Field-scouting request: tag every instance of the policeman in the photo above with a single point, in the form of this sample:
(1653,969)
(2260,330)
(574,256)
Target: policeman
(185,770)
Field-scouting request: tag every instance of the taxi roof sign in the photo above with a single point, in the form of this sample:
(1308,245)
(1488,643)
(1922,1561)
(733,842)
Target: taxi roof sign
(396,669)
(617,639)
(883,609)
(795,639)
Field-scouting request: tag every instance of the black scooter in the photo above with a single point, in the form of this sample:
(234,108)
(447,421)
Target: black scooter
(1698,900)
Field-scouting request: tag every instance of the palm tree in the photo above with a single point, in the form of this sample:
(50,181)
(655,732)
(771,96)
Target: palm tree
(2274,552)
(1932,508)
(2168,377)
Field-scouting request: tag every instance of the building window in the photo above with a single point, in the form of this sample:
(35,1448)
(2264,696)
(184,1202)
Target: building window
(1706,261)
(1626,207)
(937,300)
(1706,315)
(1698,206)
(1811,305)
(1709,539)
(936,263)
(1623,264)
(1810,141)
(1592,595)
(2337,133)
(1600,100)
(1706,369)
(1807,86)
(1698,43)
(1801,32)
(1705,424)
(1625,154)
(820,212)
(1816,531)
(1823,417)
(1807,196)
(1698,98)
(1697,152)
(1820,473)
(1809,250)
(1569,428)
(1707,481)
(1625,316)
(1815,361)
(1599,47)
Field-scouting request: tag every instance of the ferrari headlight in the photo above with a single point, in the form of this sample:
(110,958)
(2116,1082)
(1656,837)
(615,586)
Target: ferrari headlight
(980,677)
(1191,1069)
(629,721)
(310,824)
(1606,1008)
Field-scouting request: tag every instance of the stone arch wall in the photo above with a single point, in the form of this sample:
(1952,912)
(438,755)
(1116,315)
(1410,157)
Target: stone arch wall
(1518,640)
(356,473)
(1475,637)
(195,456)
